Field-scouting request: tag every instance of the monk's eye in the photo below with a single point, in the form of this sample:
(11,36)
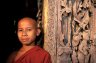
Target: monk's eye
(29,29)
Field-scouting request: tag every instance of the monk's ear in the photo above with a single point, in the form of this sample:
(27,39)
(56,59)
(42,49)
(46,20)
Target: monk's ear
(38,31)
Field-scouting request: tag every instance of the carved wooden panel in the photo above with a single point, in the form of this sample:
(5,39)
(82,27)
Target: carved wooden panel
(70,30)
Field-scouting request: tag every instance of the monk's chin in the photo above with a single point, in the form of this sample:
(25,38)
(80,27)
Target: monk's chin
(27,43)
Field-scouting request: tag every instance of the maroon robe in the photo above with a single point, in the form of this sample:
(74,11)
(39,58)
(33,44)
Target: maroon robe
(34,55)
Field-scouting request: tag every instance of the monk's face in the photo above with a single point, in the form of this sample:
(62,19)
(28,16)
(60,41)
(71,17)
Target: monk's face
(27,31)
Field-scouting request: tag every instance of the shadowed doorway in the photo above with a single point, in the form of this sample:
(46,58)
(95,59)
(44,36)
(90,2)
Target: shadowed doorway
(12,10)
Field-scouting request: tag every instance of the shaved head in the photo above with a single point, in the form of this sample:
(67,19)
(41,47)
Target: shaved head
(28,20)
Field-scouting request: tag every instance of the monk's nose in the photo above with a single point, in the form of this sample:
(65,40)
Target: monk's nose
(24,33)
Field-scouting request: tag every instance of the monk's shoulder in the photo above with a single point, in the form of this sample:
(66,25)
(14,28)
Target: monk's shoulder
(42,51)
(11,57)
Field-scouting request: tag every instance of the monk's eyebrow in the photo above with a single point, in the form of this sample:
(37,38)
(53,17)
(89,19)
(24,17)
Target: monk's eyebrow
(19,28)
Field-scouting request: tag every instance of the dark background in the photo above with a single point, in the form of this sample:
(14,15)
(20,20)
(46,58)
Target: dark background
(11,10)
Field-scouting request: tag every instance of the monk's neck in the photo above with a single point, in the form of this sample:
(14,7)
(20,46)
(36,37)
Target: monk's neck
(25,48)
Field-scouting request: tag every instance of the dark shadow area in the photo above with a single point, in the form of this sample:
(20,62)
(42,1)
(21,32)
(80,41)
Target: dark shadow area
(13,10)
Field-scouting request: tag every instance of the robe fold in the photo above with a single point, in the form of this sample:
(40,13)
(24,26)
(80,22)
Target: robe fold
(34,55)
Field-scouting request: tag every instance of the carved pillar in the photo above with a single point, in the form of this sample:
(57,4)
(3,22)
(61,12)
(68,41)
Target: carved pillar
(49,25)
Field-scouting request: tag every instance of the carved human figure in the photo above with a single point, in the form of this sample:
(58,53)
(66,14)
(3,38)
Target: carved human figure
(85,20)
(64,54)
(83,51)
(75,43)
(64,51)
(82,19)
(93,51)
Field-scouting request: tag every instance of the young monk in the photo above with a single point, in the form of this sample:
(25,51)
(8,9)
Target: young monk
(29,52)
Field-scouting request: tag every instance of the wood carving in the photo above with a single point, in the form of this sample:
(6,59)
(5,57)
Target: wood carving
(72,28)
